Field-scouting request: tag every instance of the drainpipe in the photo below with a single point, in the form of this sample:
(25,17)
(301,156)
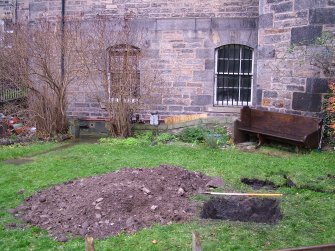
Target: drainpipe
(62,46)
(15,11)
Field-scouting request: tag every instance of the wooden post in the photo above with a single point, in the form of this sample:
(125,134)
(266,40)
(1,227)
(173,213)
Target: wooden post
(196,243)
(89,243)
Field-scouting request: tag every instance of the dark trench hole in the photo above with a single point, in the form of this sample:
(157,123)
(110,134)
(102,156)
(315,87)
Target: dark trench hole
(269,185)
(260,210)
(258,184)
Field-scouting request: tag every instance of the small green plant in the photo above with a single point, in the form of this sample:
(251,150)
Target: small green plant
(130,141)
(165,138)
(144,135)
(218,137)
(193,134)
(213,140)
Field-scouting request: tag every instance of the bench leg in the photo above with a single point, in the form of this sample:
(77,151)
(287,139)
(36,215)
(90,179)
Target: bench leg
(238,135)
(260,141)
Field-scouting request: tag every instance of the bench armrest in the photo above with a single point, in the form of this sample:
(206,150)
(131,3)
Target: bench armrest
(312,140)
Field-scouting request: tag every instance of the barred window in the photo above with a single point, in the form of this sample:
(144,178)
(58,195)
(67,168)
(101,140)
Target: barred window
(124,74)
(233,75)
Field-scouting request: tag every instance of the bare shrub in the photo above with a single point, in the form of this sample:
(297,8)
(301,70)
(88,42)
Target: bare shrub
(119,79)
(41,58)
(102,55)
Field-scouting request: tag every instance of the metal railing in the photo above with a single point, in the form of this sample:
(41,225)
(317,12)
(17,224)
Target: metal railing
(8,94)
(233,75)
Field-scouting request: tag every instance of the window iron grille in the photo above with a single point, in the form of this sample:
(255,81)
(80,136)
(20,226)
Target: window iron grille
(233,75)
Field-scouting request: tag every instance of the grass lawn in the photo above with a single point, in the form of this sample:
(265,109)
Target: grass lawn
(309,216)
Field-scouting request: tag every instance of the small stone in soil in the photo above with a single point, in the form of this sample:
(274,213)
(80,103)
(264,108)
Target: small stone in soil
(146,190)
(98,206)
(153,207)
(83,232)
(42,199)
(99,200)
(130,222)
(181,191)
(62,238)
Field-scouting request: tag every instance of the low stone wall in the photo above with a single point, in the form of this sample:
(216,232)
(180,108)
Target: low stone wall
(99,127)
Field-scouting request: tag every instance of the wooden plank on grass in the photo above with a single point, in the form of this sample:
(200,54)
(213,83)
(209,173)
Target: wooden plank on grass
(246,194)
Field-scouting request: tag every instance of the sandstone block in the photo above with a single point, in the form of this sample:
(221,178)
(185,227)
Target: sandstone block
(306,102)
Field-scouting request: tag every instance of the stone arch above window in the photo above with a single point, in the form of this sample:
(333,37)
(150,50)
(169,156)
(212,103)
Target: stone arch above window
(233,75)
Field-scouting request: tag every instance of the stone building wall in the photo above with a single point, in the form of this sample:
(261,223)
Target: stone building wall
(181,51)
(182,37)
(286,80)
(142,8)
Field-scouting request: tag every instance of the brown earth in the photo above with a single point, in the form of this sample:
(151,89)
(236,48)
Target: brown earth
(122,201)
(125,200)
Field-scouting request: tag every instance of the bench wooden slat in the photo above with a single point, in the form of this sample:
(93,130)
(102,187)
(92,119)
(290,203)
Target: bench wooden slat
(274,134)
(293,129)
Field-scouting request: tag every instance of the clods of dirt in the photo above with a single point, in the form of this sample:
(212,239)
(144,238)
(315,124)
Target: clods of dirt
(216,182)
(242,209)
(258,184)
(288,181)
(15,226)
(122,201)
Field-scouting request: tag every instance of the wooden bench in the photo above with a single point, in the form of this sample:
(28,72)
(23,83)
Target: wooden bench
(288,128)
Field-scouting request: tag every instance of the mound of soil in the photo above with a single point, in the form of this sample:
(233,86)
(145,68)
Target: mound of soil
(242,209)
(125,200)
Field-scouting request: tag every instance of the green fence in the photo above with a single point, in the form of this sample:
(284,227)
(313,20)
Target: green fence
(12,94)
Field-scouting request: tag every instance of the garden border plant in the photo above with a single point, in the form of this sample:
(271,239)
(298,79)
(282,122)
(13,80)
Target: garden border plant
(329,115)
